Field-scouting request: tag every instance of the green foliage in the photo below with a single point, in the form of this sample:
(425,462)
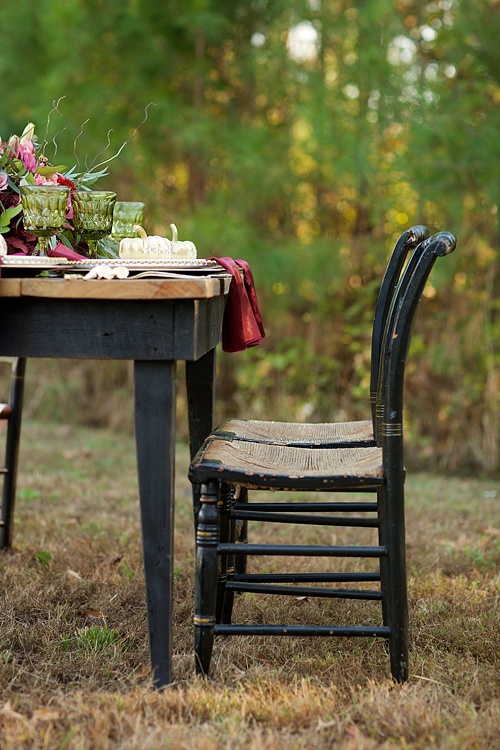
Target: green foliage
(43,558)
(308,165)
(93,640)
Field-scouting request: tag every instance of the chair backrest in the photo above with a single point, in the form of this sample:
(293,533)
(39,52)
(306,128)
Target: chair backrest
(408,240)
(398,332)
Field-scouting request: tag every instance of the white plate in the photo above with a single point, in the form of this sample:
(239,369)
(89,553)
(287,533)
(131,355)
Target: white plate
(35,261)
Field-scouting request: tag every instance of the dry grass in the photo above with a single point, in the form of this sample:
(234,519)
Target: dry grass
(73,634)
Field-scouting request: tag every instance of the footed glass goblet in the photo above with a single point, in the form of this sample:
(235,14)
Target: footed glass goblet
(125,216)
(44,212)
(93,215)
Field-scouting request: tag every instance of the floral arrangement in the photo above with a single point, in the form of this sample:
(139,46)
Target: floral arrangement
(23,162)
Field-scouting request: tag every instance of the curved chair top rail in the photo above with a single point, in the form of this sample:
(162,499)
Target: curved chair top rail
(399,327)
(407,241)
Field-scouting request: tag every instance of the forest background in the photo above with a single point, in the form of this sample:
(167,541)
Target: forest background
(303,136)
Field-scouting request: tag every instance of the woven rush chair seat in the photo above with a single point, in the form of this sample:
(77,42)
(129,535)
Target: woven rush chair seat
(230,471)
(12,412)
(311,434)
(288,467)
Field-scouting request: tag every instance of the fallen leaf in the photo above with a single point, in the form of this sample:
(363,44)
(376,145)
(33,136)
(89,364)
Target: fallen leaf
(111,559)
(95,613)
(143,671)
(325,724)
(353,731)
(74,574)
(45,714)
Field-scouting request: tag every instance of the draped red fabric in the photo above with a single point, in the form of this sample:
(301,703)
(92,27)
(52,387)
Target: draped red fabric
(242,325)
(61,251)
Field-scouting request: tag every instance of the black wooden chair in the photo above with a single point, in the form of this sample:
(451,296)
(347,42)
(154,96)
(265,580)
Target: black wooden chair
(330,434)
(222,465)
(12,413)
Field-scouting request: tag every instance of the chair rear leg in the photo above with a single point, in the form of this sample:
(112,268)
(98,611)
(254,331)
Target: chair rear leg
(207,564)
(397,599)
(12,452)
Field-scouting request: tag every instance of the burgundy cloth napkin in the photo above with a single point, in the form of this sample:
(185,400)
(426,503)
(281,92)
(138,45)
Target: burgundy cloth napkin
(61,251)
(242,324)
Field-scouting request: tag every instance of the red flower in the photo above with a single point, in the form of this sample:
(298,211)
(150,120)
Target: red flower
(61,180)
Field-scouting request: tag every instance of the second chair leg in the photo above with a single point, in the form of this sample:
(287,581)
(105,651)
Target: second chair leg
(207,570)
(241,535)
(226,562)
(12,453)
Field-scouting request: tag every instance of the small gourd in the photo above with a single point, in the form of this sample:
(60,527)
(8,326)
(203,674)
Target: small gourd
(184,249)
(3,246)
(144,245)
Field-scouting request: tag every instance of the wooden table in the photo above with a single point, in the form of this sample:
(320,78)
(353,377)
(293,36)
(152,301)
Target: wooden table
(154,322)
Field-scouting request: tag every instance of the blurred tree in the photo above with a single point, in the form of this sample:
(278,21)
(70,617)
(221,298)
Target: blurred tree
(305,136)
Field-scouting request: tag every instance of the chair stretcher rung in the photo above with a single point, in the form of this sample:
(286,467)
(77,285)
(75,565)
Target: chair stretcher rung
(306,577)
(347,507)
(299,549)
(380,631)
(251,515)
(316,591)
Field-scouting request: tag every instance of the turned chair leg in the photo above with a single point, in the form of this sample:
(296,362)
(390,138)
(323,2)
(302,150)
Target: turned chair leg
(207,564)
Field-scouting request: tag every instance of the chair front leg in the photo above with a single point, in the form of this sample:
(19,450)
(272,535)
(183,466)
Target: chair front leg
(207,568)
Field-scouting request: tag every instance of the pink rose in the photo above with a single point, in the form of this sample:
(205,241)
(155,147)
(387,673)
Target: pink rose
(41,180)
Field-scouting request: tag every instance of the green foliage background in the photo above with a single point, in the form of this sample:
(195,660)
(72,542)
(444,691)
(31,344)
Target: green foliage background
(309,164)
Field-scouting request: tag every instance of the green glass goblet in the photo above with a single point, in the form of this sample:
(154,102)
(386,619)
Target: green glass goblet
(125,215)
(44,212)
(93,215)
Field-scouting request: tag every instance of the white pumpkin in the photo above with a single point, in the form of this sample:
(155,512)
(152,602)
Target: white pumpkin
(144,245)
(131,247)
(184,249)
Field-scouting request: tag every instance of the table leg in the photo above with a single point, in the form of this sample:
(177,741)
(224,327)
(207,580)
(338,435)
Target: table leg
(155,441)
(200,386)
